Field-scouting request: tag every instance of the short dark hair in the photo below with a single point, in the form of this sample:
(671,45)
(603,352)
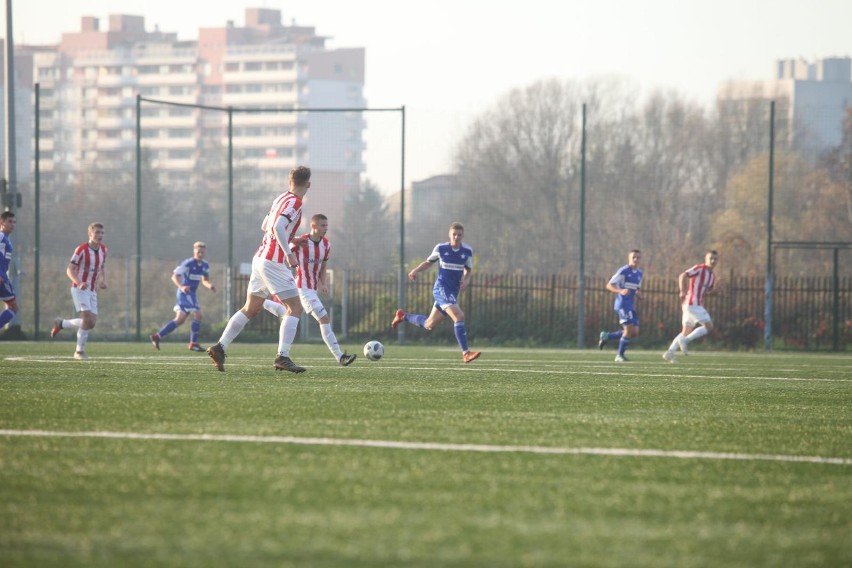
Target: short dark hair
(711,251)
(637,251)
(6,215)
(457,226)
(318,217)
(300,175)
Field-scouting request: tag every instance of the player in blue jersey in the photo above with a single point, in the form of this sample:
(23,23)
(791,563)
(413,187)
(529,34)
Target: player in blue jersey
(624,284)
(455,266)
(7,293)
(187,276)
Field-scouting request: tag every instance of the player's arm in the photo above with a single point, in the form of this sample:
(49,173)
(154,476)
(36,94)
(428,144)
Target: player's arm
(466,277)
(205,279)
(279,230)
(425,265)
(103,278)
(71,272)
(614,285)
(683,284)
(323,287)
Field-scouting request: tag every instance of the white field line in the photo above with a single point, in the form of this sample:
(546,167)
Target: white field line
(243,362)
(432,446)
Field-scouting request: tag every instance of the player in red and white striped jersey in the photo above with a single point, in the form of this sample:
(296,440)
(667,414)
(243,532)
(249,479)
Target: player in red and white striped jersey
(311,256)
(694,285)
(271,274)
(87,272)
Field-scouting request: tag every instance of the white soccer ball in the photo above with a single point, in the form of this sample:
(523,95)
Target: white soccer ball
(374,350)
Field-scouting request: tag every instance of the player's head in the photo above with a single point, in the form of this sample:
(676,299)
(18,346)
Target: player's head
(300,178)
(7,222)
(633,257)
(456,233)
(199,249)
(711,257)
(319,225)
(96,232)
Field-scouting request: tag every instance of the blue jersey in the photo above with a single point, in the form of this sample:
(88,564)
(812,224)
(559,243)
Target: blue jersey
(191,272)
(5,255)
(451,265)
(630,279)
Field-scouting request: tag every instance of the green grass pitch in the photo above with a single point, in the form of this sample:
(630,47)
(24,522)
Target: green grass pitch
(525,457)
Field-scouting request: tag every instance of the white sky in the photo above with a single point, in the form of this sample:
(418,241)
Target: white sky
(447,60)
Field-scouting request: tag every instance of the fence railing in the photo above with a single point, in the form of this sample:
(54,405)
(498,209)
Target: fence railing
(542,310)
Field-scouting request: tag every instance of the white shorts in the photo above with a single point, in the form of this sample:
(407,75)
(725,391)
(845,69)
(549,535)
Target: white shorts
(85,300)
(311,303)
(693,315)
(271,279)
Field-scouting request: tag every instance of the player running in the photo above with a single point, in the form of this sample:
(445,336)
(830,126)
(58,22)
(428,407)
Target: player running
(312,256)
(455,266)
(7,293)
(625,285)
(694,285)
(187,276)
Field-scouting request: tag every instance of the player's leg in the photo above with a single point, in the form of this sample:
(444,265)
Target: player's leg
(630,331)
(170,326)
(275,308)
(253,305)
(699,332)
(89,320)
(10,311)
(287,330)
(606,336)
(314,306)
(457,315)
(195,330)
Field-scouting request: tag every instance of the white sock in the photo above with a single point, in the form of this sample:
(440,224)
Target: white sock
(673,346)
(72,324)
(331,340)
(82,338)
(235,325)
(274,308)
(286,334)
(699,332)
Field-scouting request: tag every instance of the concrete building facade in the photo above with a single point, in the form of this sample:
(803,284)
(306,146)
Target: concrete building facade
(814,99)
(90,80)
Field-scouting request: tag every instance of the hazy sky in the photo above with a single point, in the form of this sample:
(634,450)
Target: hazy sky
(448,60)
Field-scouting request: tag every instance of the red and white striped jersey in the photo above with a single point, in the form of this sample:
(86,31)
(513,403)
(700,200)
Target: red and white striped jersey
(90,264)
(310,257)
(288,205)
(701,279)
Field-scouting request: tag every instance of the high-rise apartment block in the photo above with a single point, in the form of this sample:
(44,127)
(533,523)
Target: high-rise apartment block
(89,83)
(814,98)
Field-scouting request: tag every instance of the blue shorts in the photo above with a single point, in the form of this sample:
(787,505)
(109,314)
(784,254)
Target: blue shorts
(628,317)
(186,302)
(6,290)
(443,298)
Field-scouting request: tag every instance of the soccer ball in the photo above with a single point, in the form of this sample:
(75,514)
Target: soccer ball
(374,350)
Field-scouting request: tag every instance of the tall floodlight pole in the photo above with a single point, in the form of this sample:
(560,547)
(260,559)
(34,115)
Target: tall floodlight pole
(138,217)
(581,275)
(402,276)
(11,158)
(767,306)
(229,271)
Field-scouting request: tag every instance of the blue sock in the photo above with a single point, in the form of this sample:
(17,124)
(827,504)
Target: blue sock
(167,329)
(416,319)
(6,316)
(461,335)
(615,335)
(622,345)
(194,329)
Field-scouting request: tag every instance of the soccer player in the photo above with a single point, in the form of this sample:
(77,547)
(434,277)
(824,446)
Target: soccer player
(7,293)
(694,284)
(454,274)
(187,276)
(87,272)
(271,274)
(624,284)
(311,257)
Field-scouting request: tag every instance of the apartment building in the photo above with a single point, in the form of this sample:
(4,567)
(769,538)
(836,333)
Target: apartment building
(90,80)
(812,99)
